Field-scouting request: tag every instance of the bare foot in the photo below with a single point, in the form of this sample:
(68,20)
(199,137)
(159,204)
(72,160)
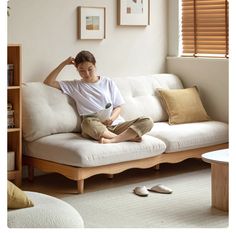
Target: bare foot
(107,140)
(137,139)
(104,140)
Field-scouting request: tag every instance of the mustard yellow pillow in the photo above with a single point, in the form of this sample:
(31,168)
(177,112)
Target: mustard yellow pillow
(183,105)
(16,198)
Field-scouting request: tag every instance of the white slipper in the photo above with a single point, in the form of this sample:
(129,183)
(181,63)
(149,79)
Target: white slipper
(160,188)
(141,191)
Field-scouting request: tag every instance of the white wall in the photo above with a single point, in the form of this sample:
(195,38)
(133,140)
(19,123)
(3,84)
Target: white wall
(173,27)
(47,30)
(211,77)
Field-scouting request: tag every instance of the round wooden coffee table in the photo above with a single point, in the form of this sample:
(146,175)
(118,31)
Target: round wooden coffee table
(219,177)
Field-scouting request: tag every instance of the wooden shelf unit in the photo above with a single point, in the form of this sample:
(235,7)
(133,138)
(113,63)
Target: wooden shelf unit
(14,135)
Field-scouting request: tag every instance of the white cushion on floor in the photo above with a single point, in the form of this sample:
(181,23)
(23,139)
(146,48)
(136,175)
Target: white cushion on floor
(182,137)
(47,212)
(72,149)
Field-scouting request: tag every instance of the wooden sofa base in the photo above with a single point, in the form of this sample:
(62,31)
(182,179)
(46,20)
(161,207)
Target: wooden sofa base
(79,174)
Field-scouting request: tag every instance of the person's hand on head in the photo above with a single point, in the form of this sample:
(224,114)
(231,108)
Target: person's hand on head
(69,61)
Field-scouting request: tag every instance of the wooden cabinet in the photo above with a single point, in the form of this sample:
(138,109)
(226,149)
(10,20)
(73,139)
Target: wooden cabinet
(14,127)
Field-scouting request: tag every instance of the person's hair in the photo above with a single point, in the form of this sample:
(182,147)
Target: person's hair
(84,56)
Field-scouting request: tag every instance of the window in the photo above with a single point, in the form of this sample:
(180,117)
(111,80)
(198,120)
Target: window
(205,28)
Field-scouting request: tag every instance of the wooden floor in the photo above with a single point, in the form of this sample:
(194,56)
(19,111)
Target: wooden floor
(59,186)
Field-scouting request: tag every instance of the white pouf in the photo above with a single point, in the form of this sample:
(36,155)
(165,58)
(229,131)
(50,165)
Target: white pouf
(47,212)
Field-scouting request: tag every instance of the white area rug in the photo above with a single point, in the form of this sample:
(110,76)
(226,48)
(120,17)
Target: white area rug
(188,206)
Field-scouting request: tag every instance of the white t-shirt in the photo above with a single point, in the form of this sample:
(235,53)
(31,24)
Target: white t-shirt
(91,98)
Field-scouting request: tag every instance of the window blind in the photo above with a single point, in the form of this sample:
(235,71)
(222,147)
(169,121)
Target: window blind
(205,27)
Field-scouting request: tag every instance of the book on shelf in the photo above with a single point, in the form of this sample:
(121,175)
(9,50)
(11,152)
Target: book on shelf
(10,74)
(10,116)
(10,160)
(9,106)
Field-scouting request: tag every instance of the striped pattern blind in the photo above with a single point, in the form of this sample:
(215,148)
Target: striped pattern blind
(205,27)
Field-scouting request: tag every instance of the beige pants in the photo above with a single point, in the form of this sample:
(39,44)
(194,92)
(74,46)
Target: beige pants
(93,128)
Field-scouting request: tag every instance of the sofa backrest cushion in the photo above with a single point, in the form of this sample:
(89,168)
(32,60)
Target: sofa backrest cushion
(46,111)
(141,97)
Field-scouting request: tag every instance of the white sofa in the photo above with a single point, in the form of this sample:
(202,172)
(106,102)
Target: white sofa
(52,140)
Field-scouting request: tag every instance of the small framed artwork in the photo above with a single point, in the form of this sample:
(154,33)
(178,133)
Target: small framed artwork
(133,12)
(91,23)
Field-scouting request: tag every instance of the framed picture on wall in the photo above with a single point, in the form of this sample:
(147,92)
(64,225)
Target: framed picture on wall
(91,23)
(133,12)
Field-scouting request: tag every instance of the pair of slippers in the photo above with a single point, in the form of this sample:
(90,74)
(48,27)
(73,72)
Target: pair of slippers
(143,191)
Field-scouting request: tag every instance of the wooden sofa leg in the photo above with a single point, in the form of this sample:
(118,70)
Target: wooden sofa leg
(30,173)
(80,186)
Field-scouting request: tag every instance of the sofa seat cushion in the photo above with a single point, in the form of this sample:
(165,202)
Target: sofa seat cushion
(191,135)
(72,149)
(48,212)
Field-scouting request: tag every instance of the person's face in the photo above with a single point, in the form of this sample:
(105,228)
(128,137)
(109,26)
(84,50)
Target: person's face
(87,71)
